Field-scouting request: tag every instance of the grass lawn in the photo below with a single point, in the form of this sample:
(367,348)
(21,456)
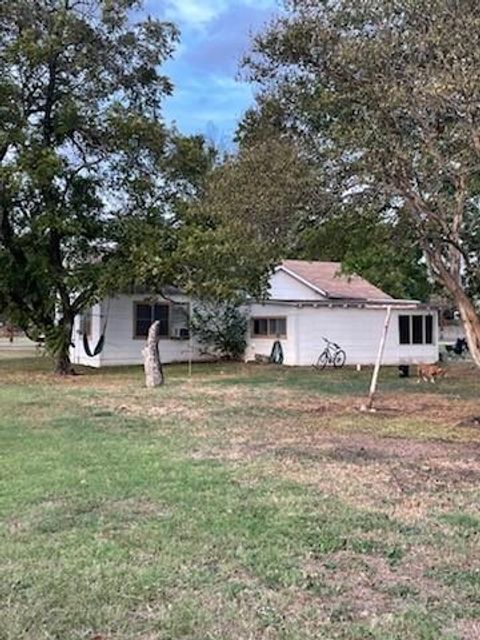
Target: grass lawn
(246,502)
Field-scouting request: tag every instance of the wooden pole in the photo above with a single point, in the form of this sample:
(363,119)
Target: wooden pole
(376,370)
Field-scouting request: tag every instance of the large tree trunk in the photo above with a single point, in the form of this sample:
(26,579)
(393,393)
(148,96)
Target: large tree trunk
(151,357)
(451,280)
(471,322)
(63,364)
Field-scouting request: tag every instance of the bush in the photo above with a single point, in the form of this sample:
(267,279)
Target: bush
(221,329)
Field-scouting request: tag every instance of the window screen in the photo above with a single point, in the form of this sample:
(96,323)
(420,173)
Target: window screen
(260,326)
(145,314)
(269,327)
(143,319)
(160,312)
(428,329)
(417,329)
(86,322)
(404,329)
(278,327)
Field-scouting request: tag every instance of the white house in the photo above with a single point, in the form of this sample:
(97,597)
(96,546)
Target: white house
(307,302)
(310,301)
(124,321)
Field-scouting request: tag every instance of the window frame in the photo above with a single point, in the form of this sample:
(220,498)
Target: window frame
(138,303)
(268,335)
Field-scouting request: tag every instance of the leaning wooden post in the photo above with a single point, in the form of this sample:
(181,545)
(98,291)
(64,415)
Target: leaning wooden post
(376,370)
(151,357)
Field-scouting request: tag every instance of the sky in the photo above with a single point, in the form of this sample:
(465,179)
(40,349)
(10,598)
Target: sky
(208,97)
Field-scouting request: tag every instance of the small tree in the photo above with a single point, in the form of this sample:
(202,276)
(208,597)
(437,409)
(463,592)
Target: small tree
(221,328)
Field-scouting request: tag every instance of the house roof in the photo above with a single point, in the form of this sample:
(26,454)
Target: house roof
(327,279)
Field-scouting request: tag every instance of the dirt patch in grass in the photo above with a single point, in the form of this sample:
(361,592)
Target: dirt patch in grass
(468,629)
(406,477)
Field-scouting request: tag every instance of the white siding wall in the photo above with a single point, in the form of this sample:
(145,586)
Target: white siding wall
(121,348)
(263,346)
(286,287)
(77,352)
(358,331)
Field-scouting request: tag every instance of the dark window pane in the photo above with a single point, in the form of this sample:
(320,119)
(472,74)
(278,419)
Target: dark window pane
(144,312)
(278,327)
(404,329)
(161,313)
(417,329)
(143,319)
(260,326)
(141,328)
(428,329)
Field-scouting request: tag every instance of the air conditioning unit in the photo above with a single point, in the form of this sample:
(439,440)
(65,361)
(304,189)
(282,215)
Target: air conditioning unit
(181,333)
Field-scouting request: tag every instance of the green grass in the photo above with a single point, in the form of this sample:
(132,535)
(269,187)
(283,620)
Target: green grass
(227,506)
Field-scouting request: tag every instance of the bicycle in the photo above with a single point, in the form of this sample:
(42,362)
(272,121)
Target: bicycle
(333,354)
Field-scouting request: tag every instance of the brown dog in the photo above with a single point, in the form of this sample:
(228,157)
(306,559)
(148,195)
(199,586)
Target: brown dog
(430,372)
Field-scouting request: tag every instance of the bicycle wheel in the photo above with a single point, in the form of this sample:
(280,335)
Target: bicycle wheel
(339,359)
(323,360)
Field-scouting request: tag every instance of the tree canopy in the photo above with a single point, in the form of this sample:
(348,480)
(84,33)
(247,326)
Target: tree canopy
(95,189)
(385,96)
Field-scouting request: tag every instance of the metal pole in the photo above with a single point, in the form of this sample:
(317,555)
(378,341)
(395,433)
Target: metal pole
(376,370)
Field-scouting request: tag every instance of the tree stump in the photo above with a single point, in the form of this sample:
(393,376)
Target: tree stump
(151,357)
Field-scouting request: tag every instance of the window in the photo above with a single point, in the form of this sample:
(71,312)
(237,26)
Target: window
(180,321)
(428,329)
(145,314)
(404,329)
(415,329)
(269,327)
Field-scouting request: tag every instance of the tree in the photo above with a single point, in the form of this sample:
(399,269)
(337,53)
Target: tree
(221,328)
(81,146)
(384,95)
(96,193)
(371,243)
(268,189)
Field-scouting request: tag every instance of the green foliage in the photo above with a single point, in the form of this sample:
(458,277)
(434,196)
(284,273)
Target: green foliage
(268,189)
(371,244)
(80,94)
(384,97)
(96,194)
(222,328)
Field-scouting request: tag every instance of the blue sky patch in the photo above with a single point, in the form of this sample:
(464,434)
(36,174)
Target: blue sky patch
(215,34)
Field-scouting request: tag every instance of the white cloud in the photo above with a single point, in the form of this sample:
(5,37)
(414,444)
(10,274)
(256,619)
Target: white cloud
(198,13)
(195,12)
